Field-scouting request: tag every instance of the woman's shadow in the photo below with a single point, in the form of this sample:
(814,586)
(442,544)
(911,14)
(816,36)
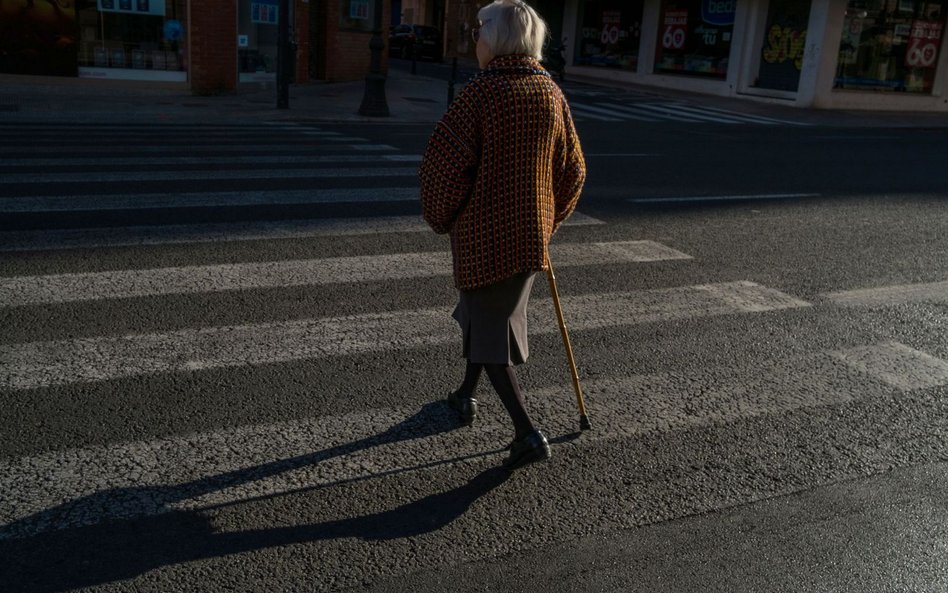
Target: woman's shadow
(38,557)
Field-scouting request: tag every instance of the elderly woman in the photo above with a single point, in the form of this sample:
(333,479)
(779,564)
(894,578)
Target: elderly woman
(502,170)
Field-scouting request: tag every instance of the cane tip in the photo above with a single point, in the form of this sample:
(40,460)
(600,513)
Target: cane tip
(584,423)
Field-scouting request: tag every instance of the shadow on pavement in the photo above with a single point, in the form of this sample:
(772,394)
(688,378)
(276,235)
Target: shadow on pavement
(113,549)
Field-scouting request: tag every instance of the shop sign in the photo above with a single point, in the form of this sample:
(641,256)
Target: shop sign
(922,51)
(676,24)
(173,30)
(152,7)
(784,44)
(718,12)
(265,12)
(611,19)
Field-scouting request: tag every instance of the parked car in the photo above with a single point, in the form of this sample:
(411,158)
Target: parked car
(426,41)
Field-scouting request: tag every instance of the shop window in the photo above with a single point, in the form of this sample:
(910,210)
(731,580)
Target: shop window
(694,37)
(781,57)
(257,35)
(358,15)
(140,35)
(891,45)
(610,34)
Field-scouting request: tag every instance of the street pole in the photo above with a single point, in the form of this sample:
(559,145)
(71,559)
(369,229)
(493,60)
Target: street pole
(373,101)
(453,80)
(283,56)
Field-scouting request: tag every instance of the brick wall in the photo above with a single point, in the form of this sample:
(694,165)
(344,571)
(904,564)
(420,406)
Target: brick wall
(302,41)
(343,55)
(212,43)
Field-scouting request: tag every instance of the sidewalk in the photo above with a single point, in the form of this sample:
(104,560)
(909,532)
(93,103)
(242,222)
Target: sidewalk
(411,99)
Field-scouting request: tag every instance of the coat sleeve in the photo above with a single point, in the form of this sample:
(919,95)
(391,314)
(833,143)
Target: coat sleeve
(570,173)
(449,166)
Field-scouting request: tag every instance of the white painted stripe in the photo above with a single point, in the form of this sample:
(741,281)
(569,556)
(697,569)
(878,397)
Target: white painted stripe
(62,288)
(200,200)
(934,292)
(627,112)
(7,164)
(621,112)
(619,154)
(897,365)
(41,364)
(688,115)
(208,233)
(86,486)
(593,112)
(718,115)
(759,118)
(301,147)
(106,176)
(673,200)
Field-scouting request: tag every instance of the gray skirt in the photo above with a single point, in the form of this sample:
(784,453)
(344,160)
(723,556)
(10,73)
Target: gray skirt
(493,321)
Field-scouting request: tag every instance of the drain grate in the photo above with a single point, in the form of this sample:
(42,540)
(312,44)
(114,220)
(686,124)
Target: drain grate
(9,107)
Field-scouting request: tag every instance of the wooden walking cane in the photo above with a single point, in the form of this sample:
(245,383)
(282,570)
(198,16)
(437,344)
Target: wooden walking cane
(583,417)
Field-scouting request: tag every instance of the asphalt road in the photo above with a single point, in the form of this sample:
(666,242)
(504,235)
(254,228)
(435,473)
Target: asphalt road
(225,375)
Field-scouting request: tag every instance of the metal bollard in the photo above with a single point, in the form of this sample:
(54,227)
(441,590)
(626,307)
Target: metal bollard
(414,59)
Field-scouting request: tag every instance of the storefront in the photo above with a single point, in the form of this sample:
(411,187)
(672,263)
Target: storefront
(891,46)
(862,54)
(611,33)
(133,39)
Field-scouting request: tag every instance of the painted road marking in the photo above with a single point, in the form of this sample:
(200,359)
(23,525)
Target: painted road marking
(64,288)
(221,232)
(243,148)
(40,364)
(114,176)
(897,365)
(11,164)
(200,200)
(86,486)
(730,198)
(933,292)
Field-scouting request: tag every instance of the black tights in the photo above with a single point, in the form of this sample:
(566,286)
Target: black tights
(504,380)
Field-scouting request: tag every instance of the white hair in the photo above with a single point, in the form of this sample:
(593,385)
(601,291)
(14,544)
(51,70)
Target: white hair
(512,27)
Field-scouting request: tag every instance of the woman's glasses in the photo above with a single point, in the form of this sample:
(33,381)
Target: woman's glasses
(476,34)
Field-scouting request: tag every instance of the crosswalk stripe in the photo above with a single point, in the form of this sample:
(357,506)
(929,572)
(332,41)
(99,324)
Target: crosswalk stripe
(896,364)
(219,232)
(684,114)
(758,118)
(11,164)
(935,292)
(595,113)
(61,362)
(713,198)
(263,149)
(106,176)
(85,486)
(201,200)
(703,113)
(61,288)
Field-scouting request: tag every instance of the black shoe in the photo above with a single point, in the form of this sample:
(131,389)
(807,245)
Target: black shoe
(529,449)
(466,407)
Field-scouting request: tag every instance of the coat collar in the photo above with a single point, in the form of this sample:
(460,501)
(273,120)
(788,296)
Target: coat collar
(518,63)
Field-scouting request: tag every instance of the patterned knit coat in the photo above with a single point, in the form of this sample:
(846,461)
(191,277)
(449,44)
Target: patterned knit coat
(503,168)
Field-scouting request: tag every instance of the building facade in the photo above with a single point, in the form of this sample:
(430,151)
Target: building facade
(832,54)
(209,45)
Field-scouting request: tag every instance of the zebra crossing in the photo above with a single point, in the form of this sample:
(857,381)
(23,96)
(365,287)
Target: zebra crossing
(614,107)
(214,467)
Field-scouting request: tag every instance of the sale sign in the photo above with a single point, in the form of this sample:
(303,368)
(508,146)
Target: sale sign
(676,24)
(922,50)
